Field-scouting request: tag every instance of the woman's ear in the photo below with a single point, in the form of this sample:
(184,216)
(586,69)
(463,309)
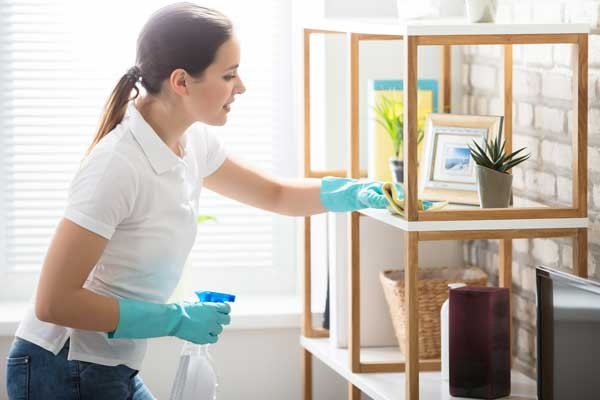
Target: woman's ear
(178,81)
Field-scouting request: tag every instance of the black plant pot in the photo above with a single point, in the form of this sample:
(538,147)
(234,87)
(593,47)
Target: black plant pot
(397,170)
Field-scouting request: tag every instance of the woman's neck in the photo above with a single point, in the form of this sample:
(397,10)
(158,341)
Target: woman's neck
(168,121)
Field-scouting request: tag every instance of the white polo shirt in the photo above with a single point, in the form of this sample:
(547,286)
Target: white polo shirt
(134,191)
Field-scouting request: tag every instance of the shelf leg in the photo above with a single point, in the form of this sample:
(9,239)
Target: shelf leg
(410,127)
(580,124)
(411,265)
(307,329)
(445,79)
(353,392)
(508,96)
(580,261)
(352,43)
(354,291)
(505,280)
(306,375)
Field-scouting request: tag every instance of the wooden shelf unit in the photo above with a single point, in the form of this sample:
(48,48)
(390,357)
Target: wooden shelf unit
(449,224)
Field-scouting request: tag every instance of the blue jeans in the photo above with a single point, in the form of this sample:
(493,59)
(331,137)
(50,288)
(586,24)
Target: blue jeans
(34,373)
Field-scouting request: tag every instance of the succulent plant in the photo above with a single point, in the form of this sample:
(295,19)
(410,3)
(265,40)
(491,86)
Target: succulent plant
(493,156)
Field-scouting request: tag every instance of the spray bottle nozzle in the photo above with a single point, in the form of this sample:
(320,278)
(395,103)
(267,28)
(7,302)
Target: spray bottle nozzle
(215,297)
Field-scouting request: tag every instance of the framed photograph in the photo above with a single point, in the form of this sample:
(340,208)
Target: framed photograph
(447,170)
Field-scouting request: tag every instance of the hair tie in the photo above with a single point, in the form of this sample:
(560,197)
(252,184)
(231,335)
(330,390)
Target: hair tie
(134,73)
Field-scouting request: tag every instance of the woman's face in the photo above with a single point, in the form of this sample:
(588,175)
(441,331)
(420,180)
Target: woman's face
(212,94)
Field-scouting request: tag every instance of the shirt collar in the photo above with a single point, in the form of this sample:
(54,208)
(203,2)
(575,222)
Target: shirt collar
(160,156)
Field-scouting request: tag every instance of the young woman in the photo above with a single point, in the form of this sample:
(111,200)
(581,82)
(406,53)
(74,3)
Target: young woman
(130,219)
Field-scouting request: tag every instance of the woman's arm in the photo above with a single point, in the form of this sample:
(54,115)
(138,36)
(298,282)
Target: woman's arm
(60,297)
(294,197)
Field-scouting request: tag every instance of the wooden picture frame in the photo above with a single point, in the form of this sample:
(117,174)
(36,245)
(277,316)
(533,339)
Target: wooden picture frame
(446,172)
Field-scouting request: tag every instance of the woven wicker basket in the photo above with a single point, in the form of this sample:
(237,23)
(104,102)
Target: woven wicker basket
(432,286)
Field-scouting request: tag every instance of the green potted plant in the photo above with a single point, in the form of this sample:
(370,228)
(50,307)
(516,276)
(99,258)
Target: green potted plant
(494,183)
(390,115)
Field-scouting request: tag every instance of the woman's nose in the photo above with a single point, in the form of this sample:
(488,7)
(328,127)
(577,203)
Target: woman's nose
(240,87)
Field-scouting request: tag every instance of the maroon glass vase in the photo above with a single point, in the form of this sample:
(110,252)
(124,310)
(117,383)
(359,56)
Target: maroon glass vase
(479,342)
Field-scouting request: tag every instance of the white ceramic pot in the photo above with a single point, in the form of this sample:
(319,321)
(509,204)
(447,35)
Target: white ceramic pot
(481,10)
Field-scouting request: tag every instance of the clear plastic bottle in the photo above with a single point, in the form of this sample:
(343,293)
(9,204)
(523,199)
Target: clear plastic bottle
(444,332)
(196,378)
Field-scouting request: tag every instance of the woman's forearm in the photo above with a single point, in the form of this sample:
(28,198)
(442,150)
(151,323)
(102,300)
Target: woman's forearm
(300,197)
(82,309)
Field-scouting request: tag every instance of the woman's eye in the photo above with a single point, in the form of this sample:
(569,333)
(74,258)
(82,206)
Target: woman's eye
(229,77)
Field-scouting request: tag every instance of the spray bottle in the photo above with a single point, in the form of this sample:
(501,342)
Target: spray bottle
(196,378)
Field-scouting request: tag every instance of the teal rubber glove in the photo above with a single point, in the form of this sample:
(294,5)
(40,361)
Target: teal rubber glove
(347,194)
(199,323)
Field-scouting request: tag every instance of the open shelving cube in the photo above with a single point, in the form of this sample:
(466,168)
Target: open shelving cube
(449,224)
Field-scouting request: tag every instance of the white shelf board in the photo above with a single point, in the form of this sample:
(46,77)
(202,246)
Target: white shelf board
(390,385)
(386,217)
(438,27)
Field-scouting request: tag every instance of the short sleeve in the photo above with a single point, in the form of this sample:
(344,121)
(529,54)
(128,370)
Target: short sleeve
(102,193)
(212,152)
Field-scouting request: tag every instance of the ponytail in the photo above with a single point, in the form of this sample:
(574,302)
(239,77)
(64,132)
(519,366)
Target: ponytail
(115,107)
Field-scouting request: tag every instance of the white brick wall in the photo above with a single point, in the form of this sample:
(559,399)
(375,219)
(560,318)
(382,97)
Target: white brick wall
(531,143)
(550,119)
(525,115)
(527,84)
(563,55)
(557,86)
(558,154)
(564,186)
(543,120)
(483,77)
(540,55)
(594,121)
(542,183)
(521,245)
(518,179)
(596,194)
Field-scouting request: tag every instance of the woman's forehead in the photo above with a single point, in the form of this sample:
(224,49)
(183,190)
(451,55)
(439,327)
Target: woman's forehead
(228,55)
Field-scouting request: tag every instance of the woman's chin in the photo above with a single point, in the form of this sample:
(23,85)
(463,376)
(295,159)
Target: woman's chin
(219,121)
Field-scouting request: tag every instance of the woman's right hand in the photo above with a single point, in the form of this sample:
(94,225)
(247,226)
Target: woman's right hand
(199,323)
(202,323)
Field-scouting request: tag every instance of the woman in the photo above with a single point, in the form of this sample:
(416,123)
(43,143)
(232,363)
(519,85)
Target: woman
(130,220)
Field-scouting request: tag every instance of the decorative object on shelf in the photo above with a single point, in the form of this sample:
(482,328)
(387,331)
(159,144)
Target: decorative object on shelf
(479,342)
(432,289)
(394,193)
(494,183)
(481,10)
(444,332)
(447,171)
(386,135)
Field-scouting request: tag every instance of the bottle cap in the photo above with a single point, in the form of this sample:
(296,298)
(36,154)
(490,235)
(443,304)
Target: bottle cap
(215,297)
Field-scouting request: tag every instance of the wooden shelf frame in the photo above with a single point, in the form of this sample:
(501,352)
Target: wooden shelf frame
(578,208)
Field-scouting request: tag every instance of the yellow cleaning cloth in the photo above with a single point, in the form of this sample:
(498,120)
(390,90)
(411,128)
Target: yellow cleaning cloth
(396,200)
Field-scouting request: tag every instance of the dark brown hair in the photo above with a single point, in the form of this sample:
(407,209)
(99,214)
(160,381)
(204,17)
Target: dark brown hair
(180,35)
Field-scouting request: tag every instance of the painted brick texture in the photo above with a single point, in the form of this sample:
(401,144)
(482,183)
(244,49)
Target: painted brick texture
(542,96)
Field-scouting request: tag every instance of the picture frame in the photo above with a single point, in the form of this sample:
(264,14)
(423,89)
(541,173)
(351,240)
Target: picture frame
(447,171)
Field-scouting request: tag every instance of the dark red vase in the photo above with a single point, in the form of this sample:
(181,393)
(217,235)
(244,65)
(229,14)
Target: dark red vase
(479,342)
